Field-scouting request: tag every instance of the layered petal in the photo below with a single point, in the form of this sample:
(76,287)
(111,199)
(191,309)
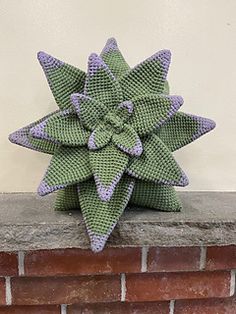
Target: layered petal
(101,84)
(151,111)
(100,137)
(108,165)
(63,79)
(69,165)
(156,196)
(128,141)
(148,77)
(67,199)
(156,164)
(182,129)
(62,127)
(89,110)
(23,138)
(101,217)
(112,56)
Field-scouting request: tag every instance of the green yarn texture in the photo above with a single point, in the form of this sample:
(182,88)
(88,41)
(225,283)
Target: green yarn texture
(112,138)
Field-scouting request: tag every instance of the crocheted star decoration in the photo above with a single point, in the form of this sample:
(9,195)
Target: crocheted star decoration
(112,138)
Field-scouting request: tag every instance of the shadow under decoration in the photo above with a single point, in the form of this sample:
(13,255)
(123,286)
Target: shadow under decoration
(112,138)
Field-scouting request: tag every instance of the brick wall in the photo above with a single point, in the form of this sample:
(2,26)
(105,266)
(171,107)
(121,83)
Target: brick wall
(187,280)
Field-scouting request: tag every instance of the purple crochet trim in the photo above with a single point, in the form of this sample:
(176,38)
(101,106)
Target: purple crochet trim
(136,150)
(66,112)
(164,57)
(91,141)
(105,192)
(96,63)
(182,182)
(127,105)
(76,101)
(98,241)
(111,45)
(204,125)
(45,189)
(19,137)
(39,132)
(48,62)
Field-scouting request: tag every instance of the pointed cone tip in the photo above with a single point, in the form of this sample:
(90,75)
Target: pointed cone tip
(47,61)
(163,56)
(111,45)
(184,181)
(97,242)
(176,101)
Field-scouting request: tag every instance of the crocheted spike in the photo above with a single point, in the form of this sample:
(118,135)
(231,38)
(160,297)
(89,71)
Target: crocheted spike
(182,129)
(100,137)
(148,77)
(128,141)
(155,196)
(63,127)
(101,217)
(89,110)
(67,199)
(101,84)
(108,166)
(157,164)
(151,111)
(23,138)
(68,166)
(112,56)
(63,79)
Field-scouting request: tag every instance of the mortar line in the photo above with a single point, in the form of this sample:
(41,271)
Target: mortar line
(123,287)
(8,290)
(172,307)
(63,308)
(232,283)
(144,255)
(21,263)
(202,262)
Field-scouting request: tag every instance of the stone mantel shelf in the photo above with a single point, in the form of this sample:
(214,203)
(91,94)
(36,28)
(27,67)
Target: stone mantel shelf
(28,222)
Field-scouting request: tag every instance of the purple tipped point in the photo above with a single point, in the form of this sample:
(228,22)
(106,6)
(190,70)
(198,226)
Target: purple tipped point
(183,180)
(176,102)
(45,189)
(98,242)
(204,125)
(96,63)
(38,130)
(48,62)
(105,192)
(111,45)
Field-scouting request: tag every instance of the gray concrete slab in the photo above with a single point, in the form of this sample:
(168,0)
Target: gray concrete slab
(28,222)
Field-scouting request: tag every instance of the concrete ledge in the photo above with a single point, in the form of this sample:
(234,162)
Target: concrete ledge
(28,222)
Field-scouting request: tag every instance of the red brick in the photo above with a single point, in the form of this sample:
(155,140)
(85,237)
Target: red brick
(185,285)
(8,264)
(118,308)
(221,257)
(65,290)
(216,306)
(49,309)
(82,262)
(173,259)
(2,292)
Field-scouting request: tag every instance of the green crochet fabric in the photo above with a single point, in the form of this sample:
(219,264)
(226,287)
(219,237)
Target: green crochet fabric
(112,138)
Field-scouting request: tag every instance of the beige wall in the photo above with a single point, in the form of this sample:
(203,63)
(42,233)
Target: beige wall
(201,35)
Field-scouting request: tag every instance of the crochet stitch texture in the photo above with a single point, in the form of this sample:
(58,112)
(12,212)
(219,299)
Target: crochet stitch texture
(112,138)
